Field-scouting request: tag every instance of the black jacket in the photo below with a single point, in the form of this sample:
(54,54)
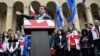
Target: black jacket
(86,44)
(57,41)
(36,16)
(12,42)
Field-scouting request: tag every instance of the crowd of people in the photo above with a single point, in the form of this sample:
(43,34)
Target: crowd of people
(76,43)
(12,44)
(69,42)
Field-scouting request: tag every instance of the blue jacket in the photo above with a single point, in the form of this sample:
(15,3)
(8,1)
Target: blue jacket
(26,45)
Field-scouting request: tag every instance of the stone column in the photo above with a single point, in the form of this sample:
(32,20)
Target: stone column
(89,15)
(9,18)
(64,23)
(99,12)
(76,22)
(1,24)
(26,11)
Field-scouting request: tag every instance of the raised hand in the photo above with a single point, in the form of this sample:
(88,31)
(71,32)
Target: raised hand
(18,13)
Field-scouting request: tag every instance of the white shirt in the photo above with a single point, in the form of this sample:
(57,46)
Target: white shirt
(60,39)
(41,17)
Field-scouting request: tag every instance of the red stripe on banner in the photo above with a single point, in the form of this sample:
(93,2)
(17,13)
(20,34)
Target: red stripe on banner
(35,23)
(39,24)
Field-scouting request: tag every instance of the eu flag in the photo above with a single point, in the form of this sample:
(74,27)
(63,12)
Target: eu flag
(72,6)
(58,16)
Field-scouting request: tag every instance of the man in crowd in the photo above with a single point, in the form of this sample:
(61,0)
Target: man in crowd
(27,45)
(21,42)
(96,37)
(42,14)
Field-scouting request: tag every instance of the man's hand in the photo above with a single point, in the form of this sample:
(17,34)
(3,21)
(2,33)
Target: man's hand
(29,48)
(92,45)
(11,51)
(18,13)
(61,47)
(51,48)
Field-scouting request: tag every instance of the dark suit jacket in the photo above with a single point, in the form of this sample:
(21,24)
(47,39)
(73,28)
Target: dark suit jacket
(46,16)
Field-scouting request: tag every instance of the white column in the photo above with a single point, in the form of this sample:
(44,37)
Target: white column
(9,18)
(89,15)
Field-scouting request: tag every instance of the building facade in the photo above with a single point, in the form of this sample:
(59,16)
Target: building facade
(85,12)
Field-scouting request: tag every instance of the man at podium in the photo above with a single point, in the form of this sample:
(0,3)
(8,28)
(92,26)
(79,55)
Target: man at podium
(42,14)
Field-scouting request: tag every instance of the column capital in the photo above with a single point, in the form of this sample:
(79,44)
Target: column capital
(87,7)
(26,6)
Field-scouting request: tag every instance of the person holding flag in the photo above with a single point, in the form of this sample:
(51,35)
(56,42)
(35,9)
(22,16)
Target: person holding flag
(96,37)
(73,42)
(42,13)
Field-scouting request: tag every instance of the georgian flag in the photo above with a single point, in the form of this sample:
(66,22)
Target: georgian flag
(31,11)
(76,37)
(95,33)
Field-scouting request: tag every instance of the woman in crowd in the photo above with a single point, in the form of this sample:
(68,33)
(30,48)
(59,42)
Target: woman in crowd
(60,43)
(9,32)
(86,43)
(52,42)
(12,45)
(5,41)
(1,48)
(72,38)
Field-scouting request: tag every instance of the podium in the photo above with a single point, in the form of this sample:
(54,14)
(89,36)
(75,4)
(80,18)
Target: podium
(40,30)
